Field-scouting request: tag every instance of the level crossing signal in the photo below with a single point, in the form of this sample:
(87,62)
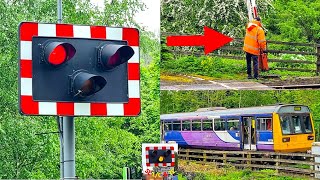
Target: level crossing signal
(160,156)
(75,70)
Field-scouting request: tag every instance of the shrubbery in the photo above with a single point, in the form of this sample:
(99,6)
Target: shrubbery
(204,65)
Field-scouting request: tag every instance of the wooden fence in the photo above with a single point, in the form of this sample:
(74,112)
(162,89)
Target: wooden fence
(234,51)
(297,163)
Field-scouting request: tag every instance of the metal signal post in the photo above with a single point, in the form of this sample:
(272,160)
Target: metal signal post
(67,134)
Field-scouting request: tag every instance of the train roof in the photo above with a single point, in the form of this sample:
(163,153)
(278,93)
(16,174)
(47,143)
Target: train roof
(288,108)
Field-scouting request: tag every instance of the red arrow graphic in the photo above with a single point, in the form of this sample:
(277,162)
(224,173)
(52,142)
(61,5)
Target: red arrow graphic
(211,40)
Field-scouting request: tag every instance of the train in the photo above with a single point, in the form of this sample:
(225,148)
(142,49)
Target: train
(276,128)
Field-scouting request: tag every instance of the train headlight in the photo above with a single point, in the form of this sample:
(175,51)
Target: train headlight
(286,139)
(310,137)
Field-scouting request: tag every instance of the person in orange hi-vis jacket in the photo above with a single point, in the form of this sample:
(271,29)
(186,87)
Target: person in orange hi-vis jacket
(254,44)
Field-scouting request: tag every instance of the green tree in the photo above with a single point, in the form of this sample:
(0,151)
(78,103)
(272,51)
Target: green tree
(297,21)
(227,16)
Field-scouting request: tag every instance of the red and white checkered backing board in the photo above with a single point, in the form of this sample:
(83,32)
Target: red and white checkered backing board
(160,164)
(29,107)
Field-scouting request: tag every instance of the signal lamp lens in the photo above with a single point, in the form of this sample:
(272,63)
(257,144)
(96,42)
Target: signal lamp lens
(58,55)
(114,60)
(167,153)
(161,158)
(87,88)
(154,153)
(122,55)
(112,55)
(85,84)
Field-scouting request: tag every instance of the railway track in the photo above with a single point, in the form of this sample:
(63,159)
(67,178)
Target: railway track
(291,163)
(266,83)
(297,86)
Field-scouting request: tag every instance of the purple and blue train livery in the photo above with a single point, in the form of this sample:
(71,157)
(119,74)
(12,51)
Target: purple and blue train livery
(281,128)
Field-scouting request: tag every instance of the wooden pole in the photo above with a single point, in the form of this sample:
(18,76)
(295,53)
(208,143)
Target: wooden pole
(277,163)
(249,160)
(187,154)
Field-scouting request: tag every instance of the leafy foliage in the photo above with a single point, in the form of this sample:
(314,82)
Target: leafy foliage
(294,21)
(227,16)
(285,20)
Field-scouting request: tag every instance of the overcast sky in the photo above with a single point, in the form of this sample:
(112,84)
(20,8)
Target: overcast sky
(150,17)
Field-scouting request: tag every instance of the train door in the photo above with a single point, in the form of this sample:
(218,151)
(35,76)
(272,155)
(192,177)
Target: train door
(162,132)
(248,138)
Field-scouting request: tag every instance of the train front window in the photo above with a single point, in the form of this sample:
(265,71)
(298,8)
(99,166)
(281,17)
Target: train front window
(285,125)
(295,124)
(307,124)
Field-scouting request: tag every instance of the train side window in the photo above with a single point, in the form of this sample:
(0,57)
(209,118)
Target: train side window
(186,125)
(167,126)
(207,125)
(233,124)
(258,124)
(307,124)
(196,125)
(176,126)
(285,124)
(269,124)
(219,125)
(297,124)
(264,124)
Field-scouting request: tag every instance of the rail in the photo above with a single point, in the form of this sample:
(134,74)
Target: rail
(297,163)
(234,51)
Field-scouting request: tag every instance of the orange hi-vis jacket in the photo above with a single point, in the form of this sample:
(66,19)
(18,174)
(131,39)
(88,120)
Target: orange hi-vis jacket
(254,40)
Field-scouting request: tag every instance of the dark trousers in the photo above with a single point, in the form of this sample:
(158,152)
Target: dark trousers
(255,65)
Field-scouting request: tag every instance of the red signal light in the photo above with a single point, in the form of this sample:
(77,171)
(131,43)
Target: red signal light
(111,55)
(57,53)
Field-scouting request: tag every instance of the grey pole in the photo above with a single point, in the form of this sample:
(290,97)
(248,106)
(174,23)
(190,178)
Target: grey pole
(67,136)
(69,148)
(60,128)
(59,5)
(59,118)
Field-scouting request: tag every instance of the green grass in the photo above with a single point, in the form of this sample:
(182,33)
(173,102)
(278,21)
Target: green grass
(235,174)
(229,69)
